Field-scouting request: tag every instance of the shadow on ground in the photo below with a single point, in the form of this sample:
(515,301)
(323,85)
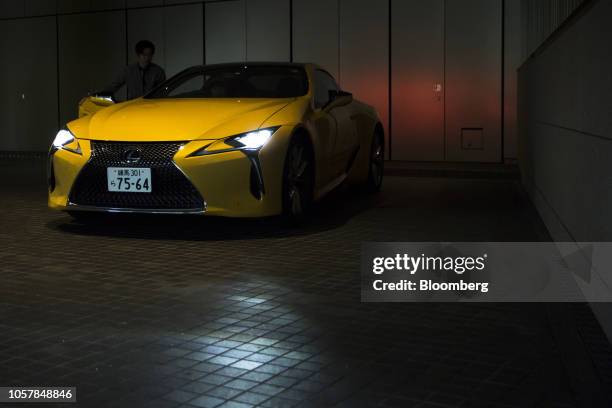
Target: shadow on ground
(331,213)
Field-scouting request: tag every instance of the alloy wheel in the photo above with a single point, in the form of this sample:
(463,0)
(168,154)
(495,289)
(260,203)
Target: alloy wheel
(377,161)
(298,179)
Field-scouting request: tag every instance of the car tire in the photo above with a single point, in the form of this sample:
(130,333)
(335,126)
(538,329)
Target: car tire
(376,164)
(298,179)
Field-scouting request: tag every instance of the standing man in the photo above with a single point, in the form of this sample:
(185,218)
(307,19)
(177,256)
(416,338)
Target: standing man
(141,76)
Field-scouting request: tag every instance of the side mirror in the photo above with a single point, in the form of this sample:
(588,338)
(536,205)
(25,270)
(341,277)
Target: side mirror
(103,101)
(338,98)
(102,98)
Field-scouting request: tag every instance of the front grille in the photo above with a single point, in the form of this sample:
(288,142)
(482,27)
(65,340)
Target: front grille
(171,190)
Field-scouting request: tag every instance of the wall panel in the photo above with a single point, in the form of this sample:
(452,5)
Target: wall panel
(12,8)
(543,17)
(417,70)
(267,30)
(73,6)
(175,2)
(225,31)
(28,118)
(176,32)
(40,7)
(473,80)
(315,33)
(566,130)
(77,6)
(88,63)
(183,37)
(146,24)
(107,4)
(143,3)
(364,53)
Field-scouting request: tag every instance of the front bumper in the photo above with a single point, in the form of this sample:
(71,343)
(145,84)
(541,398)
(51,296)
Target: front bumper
(230,184)
(125,210)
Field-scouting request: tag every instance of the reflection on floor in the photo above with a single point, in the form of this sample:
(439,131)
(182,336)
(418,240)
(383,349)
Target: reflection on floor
(197,312)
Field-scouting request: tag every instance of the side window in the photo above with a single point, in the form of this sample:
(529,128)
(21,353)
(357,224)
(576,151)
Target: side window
(323,84)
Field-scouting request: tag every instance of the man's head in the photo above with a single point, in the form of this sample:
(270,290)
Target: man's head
(145,50)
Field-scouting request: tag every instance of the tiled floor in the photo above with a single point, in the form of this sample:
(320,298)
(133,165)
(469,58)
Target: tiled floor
(196,312)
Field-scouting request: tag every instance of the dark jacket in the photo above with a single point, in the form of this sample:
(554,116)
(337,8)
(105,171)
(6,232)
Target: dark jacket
(137,80)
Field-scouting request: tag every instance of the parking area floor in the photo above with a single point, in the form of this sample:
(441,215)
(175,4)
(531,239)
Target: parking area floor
(202,312)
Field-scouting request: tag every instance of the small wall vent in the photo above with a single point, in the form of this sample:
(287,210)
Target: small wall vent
(472,139)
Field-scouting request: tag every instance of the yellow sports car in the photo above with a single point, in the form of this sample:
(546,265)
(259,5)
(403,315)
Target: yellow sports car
(236,140)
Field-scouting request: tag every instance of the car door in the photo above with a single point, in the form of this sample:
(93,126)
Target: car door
(326,127)
(346,140)
(338,137)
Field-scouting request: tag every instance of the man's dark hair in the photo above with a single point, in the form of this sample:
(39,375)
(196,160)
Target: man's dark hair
(144,44)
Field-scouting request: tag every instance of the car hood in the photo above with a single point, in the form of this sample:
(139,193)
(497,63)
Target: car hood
(153,120)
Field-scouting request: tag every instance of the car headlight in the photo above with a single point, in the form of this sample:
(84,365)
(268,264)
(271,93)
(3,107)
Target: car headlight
(66,141)
(249,142)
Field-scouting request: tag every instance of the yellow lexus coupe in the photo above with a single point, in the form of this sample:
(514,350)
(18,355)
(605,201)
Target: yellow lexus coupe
(236,140)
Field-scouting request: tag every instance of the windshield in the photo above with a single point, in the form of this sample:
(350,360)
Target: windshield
(235,81)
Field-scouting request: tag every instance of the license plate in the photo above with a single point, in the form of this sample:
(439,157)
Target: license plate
(129,179)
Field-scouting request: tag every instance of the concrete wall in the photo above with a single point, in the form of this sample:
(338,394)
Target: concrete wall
(82,44)
(364,53)
(30,87)
(565,127)
(541,18)
(169,28)
(88,59)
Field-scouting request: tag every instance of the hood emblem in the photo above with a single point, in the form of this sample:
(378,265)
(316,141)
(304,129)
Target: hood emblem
(131,156)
